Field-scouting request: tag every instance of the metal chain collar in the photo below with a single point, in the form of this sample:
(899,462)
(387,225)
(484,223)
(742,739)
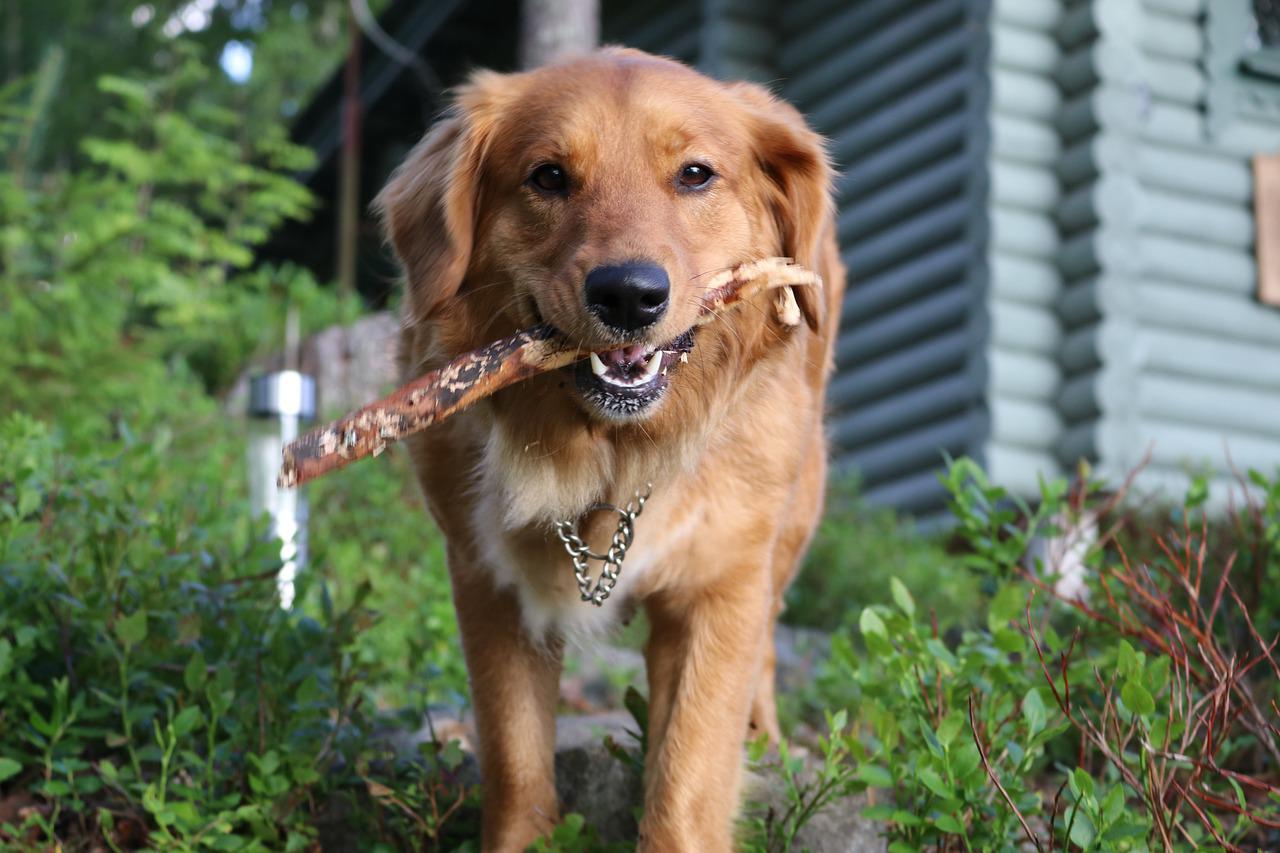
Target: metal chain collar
(598,591)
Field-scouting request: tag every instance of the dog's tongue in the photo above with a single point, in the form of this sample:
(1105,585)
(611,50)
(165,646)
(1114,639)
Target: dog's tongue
(624,357)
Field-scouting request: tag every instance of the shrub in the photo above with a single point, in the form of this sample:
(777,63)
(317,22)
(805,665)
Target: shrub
(1142,716)
(138,268)
(150,682)
(152,692)
(857,549)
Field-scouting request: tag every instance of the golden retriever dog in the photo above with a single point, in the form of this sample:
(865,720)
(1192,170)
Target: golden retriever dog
(595,195)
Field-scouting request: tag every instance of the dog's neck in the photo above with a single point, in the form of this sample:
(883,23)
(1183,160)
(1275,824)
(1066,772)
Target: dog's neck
(550,461)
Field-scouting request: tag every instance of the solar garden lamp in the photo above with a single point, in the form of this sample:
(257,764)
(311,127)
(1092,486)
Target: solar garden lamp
(279,405)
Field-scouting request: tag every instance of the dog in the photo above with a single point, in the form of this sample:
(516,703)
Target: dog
(594,195)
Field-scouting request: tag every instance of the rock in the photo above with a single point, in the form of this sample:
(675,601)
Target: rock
(352,365)
(837,828)
(608,793)
(592,781)
(799,652)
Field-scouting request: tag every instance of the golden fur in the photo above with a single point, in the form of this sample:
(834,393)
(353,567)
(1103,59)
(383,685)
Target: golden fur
(735,450)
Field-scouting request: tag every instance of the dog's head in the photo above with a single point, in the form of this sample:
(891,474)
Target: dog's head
(597,195)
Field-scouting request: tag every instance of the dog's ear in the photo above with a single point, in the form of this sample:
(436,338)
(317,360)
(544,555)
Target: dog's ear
(799,182)
(429,206)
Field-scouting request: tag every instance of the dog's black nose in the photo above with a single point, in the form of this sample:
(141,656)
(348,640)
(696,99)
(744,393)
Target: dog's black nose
(628,296)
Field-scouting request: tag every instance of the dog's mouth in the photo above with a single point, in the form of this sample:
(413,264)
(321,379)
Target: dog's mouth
(626,382)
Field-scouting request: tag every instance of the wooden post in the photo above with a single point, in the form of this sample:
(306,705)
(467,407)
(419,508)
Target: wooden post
(554,28)
(349,170)
(1266,202)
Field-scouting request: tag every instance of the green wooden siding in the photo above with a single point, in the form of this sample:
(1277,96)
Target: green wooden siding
(1165,346)
(1023,374)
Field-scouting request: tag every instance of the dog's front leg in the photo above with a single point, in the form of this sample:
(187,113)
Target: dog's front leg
(514,689)
(703,659)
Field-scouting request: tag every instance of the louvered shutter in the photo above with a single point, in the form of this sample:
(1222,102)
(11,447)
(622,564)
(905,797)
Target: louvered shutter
(901,89)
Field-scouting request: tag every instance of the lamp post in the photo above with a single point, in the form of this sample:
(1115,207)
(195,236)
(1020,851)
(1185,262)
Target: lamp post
(279,404)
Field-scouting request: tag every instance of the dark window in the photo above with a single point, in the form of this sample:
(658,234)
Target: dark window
(1262,56)
(1266,14)
(1242,58)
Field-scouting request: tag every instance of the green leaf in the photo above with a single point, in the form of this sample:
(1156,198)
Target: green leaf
(875,775)
(1009,641)
(188,720)
(1240,798)
(196,673)
(950,727)
(9,768)
(931,780)
(1137,699)
(635,703)
(1008,605)
(902,597)
(451,755)
(949,824)
(930,739)
(878,813)
(1034,711)
(1128,661)
(1157,673)
(1082,831)
(1197,492)
(1113,804)
(940,653)
(1081,783)
(871,624)
(55,788)
(132,629)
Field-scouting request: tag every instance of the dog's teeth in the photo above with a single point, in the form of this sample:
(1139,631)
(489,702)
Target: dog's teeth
(597,366)
(684,358)
(651,367)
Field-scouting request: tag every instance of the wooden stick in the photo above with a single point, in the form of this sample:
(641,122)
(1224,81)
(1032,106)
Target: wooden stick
(475,375)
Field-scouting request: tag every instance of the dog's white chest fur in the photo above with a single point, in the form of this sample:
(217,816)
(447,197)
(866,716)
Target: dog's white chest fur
(522,496)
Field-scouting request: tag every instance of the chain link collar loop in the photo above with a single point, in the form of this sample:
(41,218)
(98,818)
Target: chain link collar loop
(596,592)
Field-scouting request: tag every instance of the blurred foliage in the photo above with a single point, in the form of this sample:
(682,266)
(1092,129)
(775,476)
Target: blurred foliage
(152,692)
(295,44)
(857,549)
(373,539)
(139,265)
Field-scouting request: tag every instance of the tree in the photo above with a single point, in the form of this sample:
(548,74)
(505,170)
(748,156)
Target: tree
(554,28)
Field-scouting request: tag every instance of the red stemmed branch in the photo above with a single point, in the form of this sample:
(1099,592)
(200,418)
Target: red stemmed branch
(1173,606)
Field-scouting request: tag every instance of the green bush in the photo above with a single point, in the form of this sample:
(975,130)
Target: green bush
(1142,717)
(138,267)
(857,549)
(372,540)
(152,691)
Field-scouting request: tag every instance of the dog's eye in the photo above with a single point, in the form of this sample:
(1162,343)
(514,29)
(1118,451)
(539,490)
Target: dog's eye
(549,178)
(694,176)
